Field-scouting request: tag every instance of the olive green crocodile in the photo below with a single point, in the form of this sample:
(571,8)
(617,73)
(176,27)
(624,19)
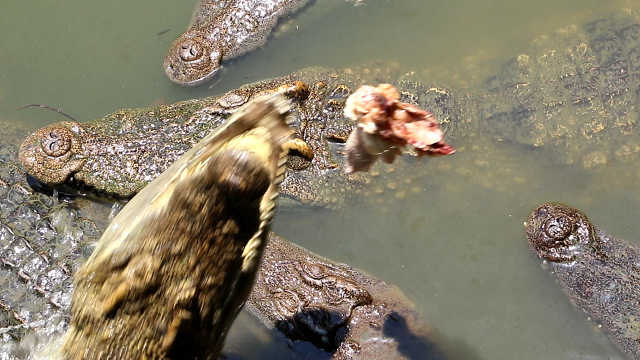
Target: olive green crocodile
(122,152)
(598,272)
(42,242)
(573,96)
(222,30)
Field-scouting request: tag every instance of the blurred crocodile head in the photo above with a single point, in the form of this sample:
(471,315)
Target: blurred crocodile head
(185,250)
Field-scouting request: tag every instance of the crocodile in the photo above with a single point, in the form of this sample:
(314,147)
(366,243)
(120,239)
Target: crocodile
(141,143)
(176,265)
(574,93)
(598,272)
(120,153)
(344,311)
(222,30)
(573,96)
(371,319)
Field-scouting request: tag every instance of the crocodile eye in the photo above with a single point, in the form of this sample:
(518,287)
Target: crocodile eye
(313,270)
(190,51)
(559,227)
(56,142)
(287,303)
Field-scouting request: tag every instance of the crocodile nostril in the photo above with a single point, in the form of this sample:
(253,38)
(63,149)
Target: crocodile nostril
(558,228)
(299,147)
(190,51)
(56,142)
(336,138)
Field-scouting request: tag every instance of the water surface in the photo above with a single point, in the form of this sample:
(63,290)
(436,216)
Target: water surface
(455,244)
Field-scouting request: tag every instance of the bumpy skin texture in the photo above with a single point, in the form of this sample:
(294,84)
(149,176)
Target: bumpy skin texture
(42,242)
(222,30)
(598,272)
(58,149)
(363,316)
(125,150)
(122,152)
(342,310)
(575,92)
(380,321)
(174,268)
(504,108)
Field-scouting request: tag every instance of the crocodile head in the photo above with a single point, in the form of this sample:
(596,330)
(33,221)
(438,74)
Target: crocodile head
(118,155)
(559,233)
(54,153)
(192,59)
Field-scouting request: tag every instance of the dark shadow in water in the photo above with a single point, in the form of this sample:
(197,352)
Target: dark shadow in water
(72,190)
(316,334)
(410,345)
(37,186)
(416,347)
(458,349)
(323,328)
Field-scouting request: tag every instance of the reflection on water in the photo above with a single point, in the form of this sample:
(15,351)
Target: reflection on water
(453,241)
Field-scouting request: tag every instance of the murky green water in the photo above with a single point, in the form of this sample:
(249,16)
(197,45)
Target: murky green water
(456,245)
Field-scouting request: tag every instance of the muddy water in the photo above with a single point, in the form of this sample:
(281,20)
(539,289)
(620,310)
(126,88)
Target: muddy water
(456,246)
(454,241)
